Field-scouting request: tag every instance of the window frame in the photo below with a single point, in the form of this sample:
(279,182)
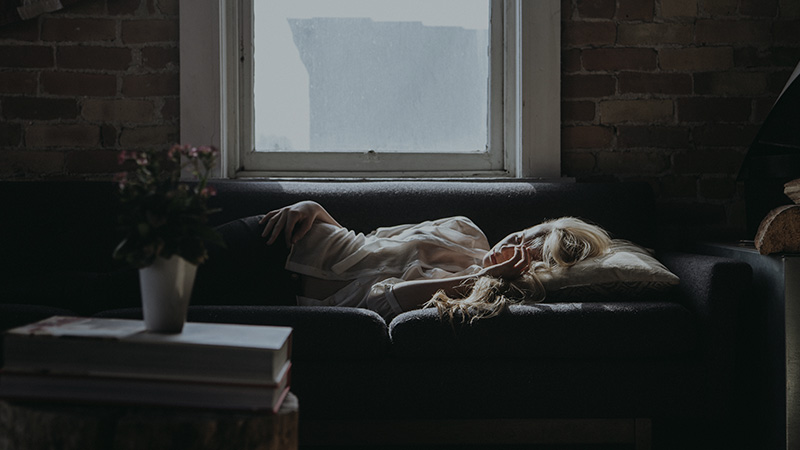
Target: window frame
(215,76)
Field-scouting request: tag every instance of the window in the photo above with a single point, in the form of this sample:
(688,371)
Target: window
(384,87)
(491,109)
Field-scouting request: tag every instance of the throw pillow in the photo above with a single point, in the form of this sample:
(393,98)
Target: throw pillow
(625,272)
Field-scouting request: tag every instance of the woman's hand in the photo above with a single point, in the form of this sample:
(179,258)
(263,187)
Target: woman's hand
(294,221)
(412,294)
(503,249)
(508,262)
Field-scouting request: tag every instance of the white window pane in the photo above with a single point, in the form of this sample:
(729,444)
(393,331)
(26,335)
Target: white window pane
(383,75)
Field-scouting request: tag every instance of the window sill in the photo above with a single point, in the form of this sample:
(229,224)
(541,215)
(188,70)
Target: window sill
(451,178)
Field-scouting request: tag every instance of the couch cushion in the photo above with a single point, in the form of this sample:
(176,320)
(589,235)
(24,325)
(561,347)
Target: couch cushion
(559,330)
(319,333)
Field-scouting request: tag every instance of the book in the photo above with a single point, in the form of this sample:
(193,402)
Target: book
(144,391)
(203,352)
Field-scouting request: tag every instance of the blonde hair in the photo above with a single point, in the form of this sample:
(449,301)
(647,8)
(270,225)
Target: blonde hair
(567,241)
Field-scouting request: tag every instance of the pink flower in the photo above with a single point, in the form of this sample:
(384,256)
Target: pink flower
(208,191)
(124,156)
(175,151)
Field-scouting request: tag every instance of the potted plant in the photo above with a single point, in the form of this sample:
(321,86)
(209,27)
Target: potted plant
(165,225)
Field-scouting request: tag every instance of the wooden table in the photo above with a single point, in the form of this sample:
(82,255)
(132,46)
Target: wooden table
(27,425)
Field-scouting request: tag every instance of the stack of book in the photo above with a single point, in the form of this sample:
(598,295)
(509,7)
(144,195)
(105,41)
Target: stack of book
(208,365)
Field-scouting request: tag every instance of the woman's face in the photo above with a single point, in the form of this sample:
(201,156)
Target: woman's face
(531,239)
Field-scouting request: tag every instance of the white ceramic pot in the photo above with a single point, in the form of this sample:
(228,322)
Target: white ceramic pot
(166,289)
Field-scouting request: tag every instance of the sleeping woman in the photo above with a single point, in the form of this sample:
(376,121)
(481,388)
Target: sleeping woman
(447,264)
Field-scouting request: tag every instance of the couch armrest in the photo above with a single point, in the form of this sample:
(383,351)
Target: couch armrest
(712,288)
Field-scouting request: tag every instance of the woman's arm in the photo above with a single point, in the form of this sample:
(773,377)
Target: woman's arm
(294,221)
(411,295)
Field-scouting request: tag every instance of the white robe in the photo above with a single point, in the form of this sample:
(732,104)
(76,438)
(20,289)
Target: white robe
(374,262)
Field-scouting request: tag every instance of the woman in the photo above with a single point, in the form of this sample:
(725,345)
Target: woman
(446,264)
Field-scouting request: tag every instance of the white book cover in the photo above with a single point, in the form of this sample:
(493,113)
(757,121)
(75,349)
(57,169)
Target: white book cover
(194,333)
(139,391)
(123,347)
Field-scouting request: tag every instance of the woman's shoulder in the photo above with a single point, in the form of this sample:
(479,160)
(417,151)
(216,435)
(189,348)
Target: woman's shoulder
(461,223)
(458,223)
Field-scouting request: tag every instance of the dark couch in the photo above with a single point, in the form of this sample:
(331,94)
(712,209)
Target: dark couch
(535,370)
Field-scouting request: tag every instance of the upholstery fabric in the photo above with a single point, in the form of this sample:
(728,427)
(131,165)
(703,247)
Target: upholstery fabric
(561,330)
(546,388)
(497,207)
(246,271)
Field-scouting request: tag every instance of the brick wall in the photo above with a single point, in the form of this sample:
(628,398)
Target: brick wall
(80,84)
(667,91)
(673,92)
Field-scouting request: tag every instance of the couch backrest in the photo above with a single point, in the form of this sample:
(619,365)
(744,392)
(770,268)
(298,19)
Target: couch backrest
(58,224)
(626,210)
(73,224)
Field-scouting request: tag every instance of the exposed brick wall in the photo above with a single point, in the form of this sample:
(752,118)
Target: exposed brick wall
(80,84)
(667,91)
(673,92)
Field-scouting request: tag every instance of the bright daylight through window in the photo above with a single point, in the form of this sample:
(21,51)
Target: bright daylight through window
(381,75)
(373,88)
